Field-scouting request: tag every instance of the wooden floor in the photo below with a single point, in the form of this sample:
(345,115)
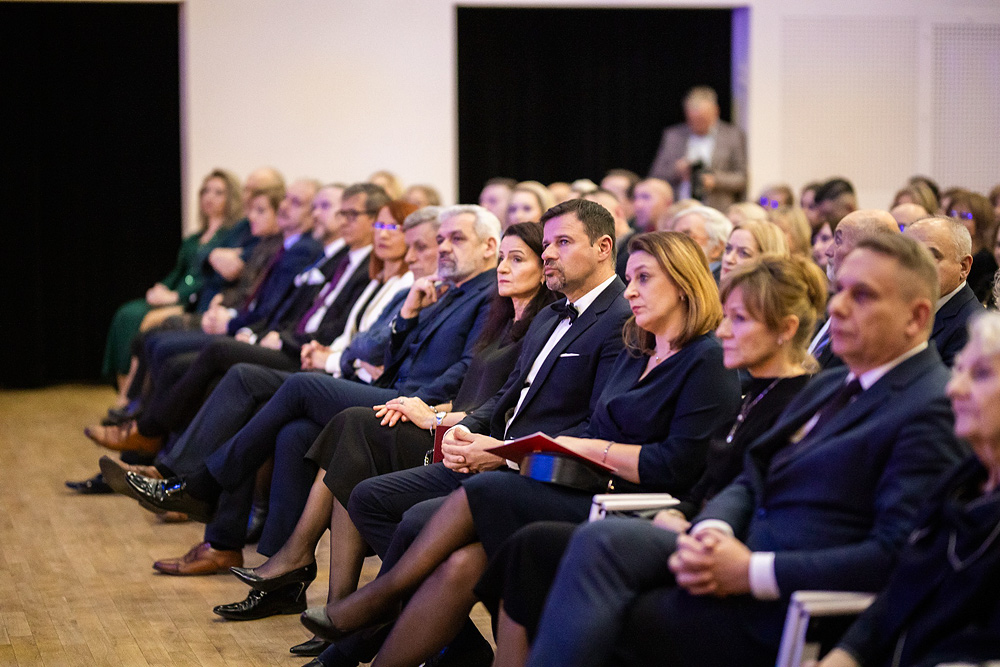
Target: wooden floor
(76,583)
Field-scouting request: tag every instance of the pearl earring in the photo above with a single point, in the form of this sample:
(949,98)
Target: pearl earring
(781,341)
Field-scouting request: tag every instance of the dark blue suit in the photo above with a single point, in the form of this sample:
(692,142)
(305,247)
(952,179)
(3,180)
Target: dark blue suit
(278,284)
(950,334)
(834,513)
(442,339)
(561,400)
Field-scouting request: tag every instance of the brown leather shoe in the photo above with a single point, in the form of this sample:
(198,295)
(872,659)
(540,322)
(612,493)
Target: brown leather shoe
(202,559)
(123,438)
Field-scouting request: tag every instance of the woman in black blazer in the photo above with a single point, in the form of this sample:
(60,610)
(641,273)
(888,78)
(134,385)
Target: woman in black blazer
(942,604)
(668,395)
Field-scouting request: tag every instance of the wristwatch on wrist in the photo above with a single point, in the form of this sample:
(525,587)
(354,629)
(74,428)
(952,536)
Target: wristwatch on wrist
(439,417)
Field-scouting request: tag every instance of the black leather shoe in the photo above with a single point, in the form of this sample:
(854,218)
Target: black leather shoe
(468,649)
(168,495)
(247,575)
(93,486)
(309,649)
(290,599)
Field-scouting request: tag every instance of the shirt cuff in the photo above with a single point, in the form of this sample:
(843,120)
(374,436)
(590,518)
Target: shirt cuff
(252,337)
(718,524)
(333,365)
(763,583)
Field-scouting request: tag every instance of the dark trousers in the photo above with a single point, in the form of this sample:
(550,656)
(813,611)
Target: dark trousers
(184,381)
(312,398)
(237,397)
(400,502)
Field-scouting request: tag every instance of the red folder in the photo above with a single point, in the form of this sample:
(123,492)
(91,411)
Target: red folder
(516,450)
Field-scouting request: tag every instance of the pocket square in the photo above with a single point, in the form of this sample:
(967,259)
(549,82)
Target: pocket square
(569,354)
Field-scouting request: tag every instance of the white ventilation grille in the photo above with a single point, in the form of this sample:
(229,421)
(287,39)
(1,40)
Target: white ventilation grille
(849,99)
(966,105)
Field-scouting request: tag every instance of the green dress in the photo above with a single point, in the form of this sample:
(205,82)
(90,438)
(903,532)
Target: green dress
(186,279)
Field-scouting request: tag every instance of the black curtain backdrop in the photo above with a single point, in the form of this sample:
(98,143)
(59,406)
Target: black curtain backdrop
(561,94)
(90,192)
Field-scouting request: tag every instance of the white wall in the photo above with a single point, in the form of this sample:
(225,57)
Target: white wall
(872,89)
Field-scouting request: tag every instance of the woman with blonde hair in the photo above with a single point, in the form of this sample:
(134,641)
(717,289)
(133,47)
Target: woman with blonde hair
(528,201)
(220,207)
(752,239)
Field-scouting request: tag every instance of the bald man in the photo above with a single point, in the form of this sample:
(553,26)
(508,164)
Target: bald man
(650,199)
(950,244)
(851,229)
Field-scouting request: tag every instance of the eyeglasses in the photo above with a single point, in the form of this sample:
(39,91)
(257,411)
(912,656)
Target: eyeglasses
(960,214)
(387,226)
(352,215)
(769,203)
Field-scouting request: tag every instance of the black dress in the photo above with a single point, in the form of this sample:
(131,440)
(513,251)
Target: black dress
(942,603)
(673,412)
(524,568)
(355,446)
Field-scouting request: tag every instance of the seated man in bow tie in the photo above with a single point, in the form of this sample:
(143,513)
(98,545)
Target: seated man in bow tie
(826,498)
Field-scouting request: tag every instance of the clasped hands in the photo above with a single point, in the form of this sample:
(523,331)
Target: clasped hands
(406,408)
(465,451)
(711,563)
(314,355)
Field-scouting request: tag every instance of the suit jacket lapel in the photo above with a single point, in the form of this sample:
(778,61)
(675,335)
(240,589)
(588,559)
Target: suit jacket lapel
(951,308)
(583,322)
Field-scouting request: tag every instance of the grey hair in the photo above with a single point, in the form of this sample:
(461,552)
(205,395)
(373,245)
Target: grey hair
(717,226)
(423,215)
(701,94)
(960,236)
(985,328)
(486,225)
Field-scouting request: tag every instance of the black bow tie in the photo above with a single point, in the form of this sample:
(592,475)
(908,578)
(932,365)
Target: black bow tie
(566,309)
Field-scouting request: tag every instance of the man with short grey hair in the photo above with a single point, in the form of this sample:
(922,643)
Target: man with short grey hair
(950,244)
(709,229)
(703,158)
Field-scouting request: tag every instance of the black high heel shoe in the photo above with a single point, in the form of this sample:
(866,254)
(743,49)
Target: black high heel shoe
(302,575)
(317,622)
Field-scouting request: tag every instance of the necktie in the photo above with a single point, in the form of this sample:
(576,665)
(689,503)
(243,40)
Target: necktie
(836,403)
(318,302)
(566,309)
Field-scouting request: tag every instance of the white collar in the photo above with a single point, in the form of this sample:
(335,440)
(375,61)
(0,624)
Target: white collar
(584,301)
(947,297)
(868,378)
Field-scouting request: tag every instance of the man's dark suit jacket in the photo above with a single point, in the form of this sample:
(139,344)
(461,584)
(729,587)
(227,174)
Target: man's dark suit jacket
(569,383)
(300,298)
(729,162)
(429,354)
(950,334)
(278,283)
(836,511)
(334,319)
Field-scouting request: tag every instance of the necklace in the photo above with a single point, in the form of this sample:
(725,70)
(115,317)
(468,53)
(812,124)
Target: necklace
(747,407)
